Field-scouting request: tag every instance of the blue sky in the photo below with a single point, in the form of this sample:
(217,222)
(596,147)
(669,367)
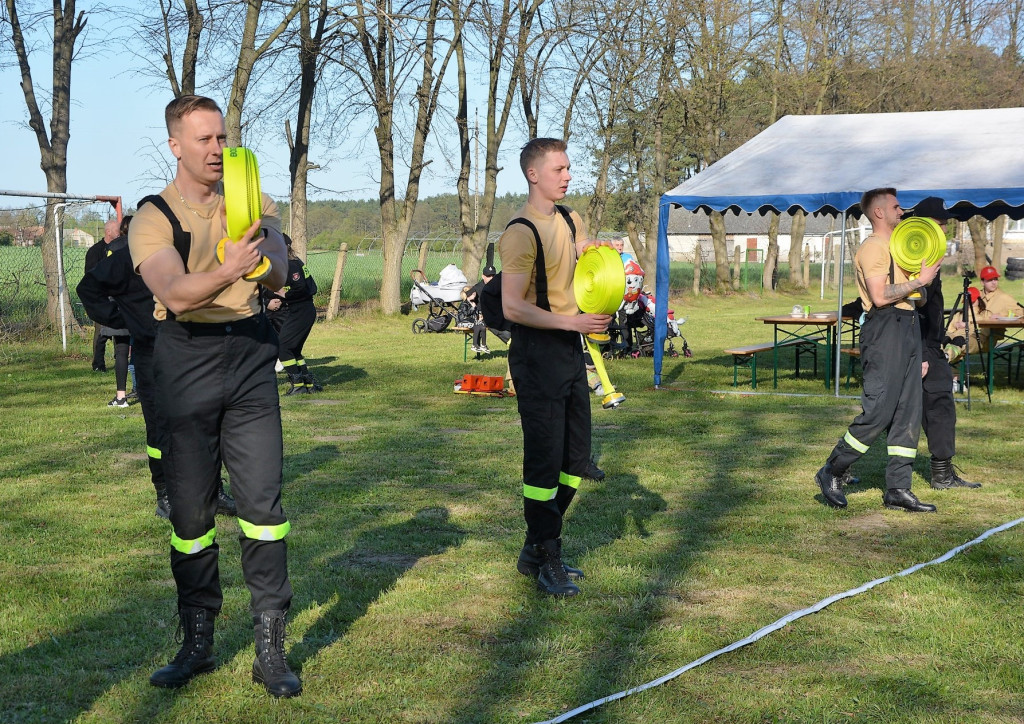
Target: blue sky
(117,139)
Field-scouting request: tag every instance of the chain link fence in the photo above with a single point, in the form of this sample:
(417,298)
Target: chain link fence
(23,283)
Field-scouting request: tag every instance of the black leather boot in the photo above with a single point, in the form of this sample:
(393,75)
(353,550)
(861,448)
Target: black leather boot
(311,384)
(532,557)
(225,503)
(552,578)
(271,667)
(298,386)
(945,475)
(903,499)
(831,486)
(196,655)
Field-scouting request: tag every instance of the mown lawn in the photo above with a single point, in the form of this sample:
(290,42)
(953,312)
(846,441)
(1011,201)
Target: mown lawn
(405,504)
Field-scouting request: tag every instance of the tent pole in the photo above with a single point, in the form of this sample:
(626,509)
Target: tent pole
(839,309)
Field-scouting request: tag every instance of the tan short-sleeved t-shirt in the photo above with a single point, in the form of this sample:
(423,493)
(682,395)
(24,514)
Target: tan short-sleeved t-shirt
(996,304)
(518,251)
(873,260)
(150,231)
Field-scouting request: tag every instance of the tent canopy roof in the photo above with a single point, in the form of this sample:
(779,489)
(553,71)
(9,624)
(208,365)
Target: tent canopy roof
(973,160)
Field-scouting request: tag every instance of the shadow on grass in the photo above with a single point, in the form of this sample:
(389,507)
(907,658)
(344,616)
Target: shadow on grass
(605,513)
(357,577)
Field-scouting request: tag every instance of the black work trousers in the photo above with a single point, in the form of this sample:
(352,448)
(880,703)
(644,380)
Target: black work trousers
(890,353)
(146,387)
(554,404)
(938,410)
(297,322)
(217,394)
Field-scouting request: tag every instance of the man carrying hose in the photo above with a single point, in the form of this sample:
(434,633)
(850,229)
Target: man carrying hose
(890,352)
(217,392)
(546,360)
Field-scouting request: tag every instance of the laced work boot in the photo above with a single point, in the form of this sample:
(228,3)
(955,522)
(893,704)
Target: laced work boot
(831,486)
(532,557)
(195,633)
(271,667)
(552,578)
(225,503)
(946,475)
(311,384)
(298,386)
(163,507)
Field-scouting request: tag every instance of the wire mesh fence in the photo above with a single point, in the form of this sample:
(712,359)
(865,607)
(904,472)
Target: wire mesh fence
(23,280)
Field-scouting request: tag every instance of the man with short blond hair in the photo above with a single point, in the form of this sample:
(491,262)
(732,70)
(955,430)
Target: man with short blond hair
(546,359)
(217,394)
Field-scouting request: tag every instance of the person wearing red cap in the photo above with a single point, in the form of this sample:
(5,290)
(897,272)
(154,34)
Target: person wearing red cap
(991,303)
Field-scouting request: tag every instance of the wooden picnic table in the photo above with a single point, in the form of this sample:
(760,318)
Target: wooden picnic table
(1008,342)
(796,329)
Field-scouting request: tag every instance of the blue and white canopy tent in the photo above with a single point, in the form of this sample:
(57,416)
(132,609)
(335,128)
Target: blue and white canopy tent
(973,160)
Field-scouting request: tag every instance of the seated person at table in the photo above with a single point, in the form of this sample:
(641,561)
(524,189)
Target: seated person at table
(990,303)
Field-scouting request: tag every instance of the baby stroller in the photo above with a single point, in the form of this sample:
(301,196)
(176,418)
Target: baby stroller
(442,299)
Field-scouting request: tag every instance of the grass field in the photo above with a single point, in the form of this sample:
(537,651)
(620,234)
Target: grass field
(406,513)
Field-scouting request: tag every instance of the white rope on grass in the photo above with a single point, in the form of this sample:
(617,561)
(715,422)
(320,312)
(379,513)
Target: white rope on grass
(788,618)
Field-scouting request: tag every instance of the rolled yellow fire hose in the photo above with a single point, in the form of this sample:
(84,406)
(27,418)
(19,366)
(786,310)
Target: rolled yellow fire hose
(599,283)
(243,202)
(915,240)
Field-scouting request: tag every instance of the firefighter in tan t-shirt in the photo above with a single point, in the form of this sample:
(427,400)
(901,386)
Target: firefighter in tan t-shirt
(890,349)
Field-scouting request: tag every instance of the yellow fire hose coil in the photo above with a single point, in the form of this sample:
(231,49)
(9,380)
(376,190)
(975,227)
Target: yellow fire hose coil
(243,201)
(915,240)
(599,283)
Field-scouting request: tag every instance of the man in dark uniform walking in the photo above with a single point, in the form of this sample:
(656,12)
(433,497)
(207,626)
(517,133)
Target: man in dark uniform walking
(938,408)
(890,352)
(217,393)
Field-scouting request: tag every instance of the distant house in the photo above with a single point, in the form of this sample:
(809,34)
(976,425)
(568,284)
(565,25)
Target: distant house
(687,230)
(77,237)
(26,235)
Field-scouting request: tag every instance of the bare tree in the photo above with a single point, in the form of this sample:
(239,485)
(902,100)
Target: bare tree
(504,29)
(53,146)
(391,43)
(311,39)
(248,54)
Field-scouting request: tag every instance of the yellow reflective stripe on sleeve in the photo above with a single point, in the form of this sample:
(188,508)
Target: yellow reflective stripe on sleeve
(195,545)
(902,452)
(541,494)
(154,453)
(289,363)
(855,443)
(573,481)
(264,532)
(300,361)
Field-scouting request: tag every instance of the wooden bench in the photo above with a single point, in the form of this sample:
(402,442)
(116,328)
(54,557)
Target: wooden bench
(854,354)
(746,356)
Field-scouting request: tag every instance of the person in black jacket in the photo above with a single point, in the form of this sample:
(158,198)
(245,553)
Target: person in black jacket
(292,312)
(115,296)
(938,418)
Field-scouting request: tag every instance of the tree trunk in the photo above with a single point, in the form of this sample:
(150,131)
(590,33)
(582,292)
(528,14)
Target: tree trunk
(53,149)
(717,223)
(796,245)
(298,163)
(771,258)
(979,235)
(248,54)
(736,268)
(998,229)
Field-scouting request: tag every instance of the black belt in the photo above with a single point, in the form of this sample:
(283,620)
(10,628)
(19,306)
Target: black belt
(244,327)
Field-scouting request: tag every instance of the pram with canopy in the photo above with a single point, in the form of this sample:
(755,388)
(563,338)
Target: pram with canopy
(442,299)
